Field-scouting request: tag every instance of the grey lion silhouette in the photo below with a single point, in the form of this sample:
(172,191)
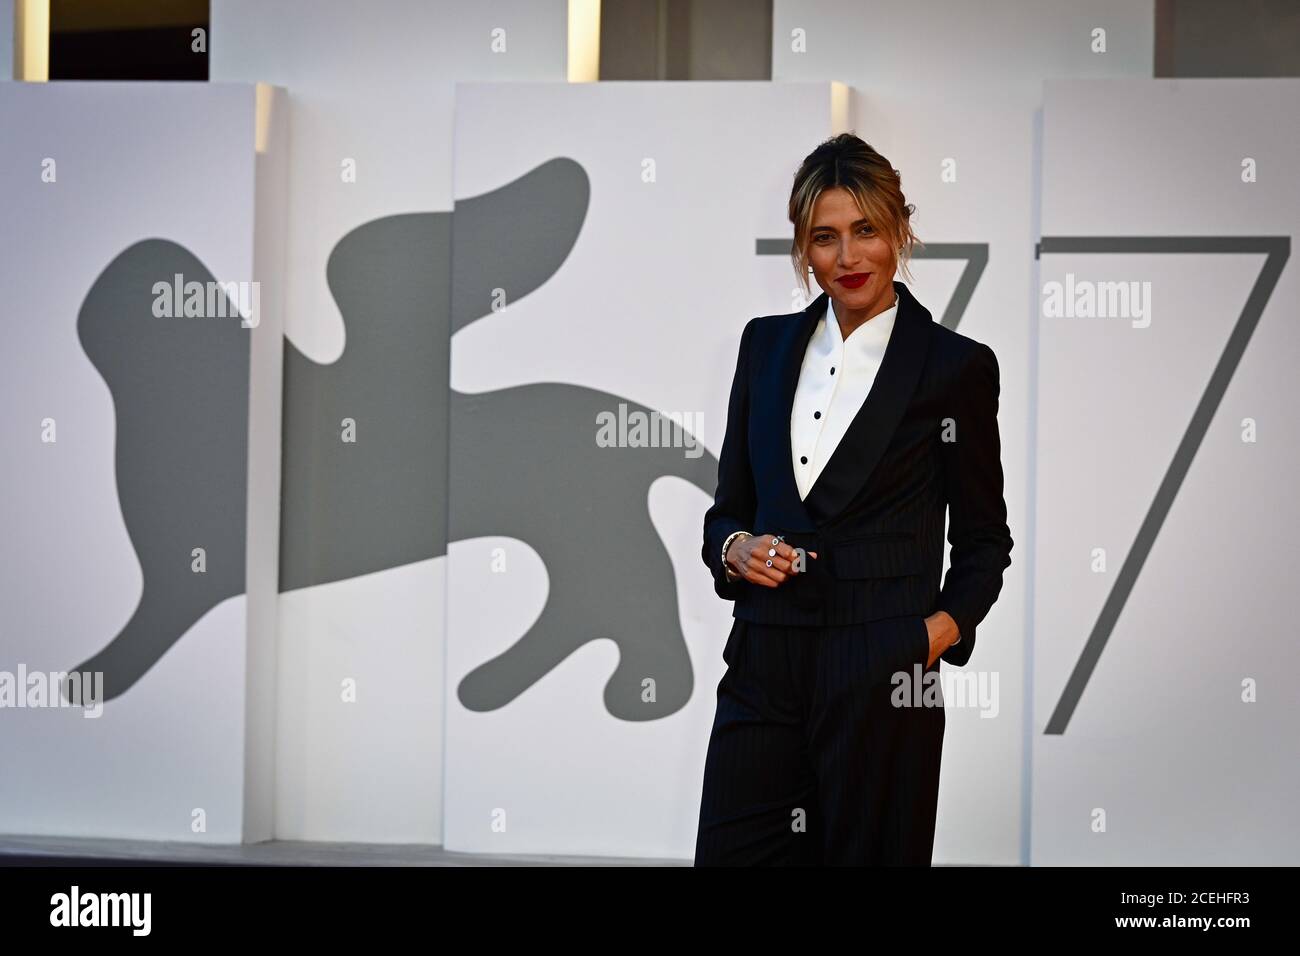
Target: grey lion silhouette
(522,461)
(180,397)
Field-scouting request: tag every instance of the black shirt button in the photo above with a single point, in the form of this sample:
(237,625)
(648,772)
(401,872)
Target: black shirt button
(832,369)
(817,414)
(803,459)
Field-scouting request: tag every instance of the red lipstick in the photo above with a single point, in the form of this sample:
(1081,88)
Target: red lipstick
(854,280)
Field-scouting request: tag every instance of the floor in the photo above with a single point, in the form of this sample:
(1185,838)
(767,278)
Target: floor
(80,851)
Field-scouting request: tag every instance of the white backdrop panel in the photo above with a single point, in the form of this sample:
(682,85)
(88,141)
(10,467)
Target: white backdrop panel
(949,93)
(130,162)
(371,89)
(1159,744)
(647,307)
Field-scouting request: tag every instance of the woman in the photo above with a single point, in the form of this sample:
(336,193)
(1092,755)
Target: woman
(851,427)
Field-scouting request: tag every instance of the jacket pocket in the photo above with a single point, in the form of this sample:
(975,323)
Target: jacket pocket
(923,641)
(898,646)
(885,554)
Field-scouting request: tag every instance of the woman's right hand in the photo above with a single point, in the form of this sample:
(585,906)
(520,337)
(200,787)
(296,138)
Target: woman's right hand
(749,556)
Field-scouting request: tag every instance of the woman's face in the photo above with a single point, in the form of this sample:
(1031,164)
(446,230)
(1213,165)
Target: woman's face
(842,245)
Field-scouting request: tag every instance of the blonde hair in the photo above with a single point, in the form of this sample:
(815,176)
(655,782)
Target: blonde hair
(849,162)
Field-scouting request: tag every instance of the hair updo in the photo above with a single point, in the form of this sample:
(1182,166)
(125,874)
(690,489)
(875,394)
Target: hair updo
(847,161)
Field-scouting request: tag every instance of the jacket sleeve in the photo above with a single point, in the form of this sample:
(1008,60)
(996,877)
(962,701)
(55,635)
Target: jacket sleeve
(735,501)
(977,513)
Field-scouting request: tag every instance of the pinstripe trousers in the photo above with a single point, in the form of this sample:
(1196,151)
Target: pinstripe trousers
(811,760)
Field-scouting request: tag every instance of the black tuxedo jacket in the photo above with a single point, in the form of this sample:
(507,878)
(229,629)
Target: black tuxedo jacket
(924,440)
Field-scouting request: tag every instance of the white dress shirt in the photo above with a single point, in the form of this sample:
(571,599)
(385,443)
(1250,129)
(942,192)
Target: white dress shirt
(834,380)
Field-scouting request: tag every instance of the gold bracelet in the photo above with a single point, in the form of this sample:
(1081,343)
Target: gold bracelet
(732,575)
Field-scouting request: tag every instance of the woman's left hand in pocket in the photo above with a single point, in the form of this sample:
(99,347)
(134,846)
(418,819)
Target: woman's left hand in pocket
(942,631)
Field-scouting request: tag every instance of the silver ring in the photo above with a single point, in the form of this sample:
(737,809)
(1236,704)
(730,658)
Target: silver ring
(769,562)
(771,553)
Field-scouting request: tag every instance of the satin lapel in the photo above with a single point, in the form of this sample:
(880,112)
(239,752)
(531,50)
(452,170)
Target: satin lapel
(863,444)
(781,370)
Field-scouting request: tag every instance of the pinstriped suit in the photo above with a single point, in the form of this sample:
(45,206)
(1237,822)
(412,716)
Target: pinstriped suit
(808,760)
